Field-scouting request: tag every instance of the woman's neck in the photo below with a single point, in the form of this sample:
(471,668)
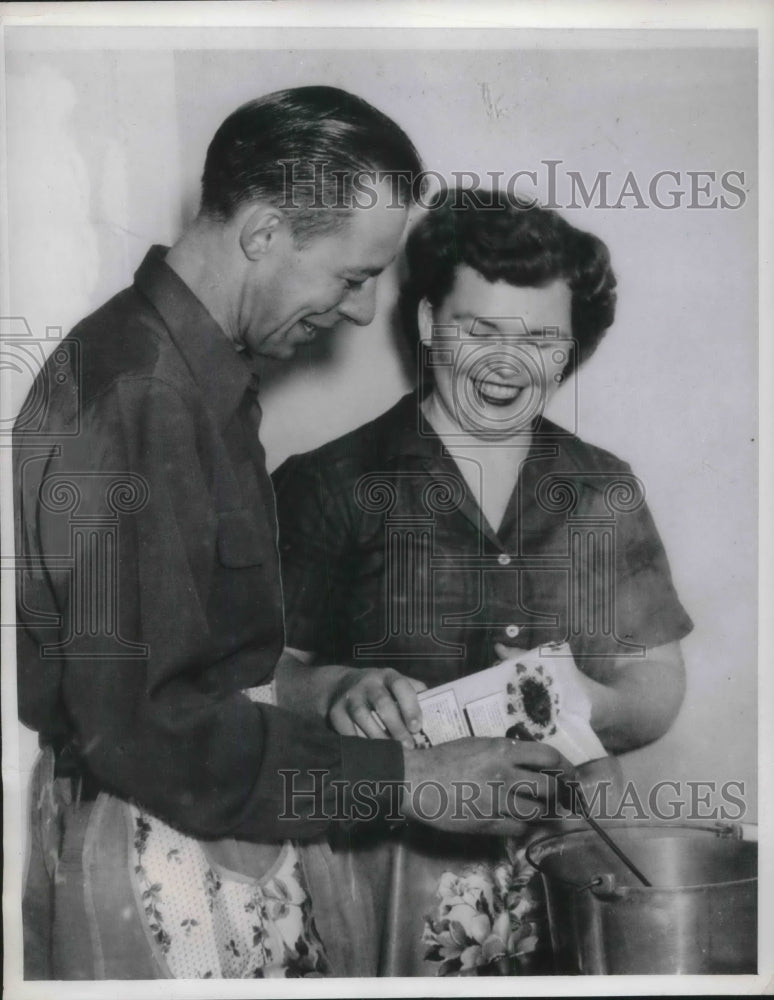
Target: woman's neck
(456,437)
(490,467)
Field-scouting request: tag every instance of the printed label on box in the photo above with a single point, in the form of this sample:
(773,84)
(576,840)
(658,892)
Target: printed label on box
(442,719)
(487,716)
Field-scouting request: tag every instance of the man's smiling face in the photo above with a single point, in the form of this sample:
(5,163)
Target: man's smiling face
(298,291)
(504,348)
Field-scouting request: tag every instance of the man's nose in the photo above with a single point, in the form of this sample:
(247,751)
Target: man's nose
(359,305)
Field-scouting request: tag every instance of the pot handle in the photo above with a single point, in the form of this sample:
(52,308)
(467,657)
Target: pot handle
(600,885)
(729,831)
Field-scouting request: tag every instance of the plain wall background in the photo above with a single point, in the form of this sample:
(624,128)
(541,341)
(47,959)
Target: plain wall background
(106,145)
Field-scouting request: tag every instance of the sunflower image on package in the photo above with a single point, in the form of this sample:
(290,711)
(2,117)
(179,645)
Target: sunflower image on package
(537,690)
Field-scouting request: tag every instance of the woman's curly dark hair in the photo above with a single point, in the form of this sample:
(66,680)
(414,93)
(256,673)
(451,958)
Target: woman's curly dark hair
(507,239)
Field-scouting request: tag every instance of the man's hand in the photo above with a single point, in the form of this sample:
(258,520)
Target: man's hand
(481,785)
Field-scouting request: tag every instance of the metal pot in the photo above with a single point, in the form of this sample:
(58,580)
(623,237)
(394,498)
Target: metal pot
(700,916)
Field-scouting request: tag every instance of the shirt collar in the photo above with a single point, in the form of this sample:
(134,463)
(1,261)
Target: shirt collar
(409,435)
(222,373)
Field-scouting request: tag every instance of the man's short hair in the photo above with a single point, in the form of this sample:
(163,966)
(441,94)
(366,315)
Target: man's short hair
(306,150)
(507,239)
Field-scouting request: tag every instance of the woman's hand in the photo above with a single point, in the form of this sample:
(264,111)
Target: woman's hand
(385,692)
(346,696)
(633,700)
(602,783)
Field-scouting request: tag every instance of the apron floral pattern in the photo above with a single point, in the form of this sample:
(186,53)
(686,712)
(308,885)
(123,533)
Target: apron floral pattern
(207,922)
(210,923)
(488,918)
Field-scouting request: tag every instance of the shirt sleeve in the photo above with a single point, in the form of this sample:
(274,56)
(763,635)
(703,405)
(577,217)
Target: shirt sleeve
(148,720)
(646,610)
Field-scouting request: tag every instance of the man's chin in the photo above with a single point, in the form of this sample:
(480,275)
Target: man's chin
(288,348)
(274,353)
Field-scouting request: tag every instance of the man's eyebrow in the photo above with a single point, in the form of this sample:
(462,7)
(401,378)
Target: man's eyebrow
(370,272)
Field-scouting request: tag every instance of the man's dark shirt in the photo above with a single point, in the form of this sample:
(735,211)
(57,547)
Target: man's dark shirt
(148,585)
(388,560)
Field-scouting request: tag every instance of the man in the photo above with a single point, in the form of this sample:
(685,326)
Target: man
(149,595)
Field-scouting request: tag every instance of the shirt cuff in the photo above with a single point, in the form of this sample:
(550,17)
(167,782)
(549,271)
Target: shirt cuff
(302,632)
(373,772)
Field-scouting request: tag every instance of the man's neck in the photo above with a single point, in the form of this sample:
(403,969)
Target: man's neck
(199,259)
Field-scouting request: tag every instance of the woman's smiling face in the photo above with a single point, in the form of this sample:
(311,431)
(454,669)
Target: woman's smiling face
(497,351)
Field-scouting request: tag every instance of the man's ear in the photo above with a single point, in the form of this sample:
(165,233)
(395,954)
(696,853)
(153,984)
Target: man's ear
(262,228)
(425,320)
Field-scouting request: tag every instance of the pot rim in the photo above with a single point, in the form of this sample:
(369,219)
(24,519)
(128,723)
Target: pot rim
(721,831)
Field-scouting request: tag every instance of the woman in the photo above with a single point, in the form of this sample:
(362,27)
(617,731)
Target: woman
(462,525)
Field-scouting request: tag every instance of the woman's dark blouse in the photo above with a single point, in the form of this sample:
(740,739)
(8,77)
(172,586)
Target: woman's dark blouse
(387,559)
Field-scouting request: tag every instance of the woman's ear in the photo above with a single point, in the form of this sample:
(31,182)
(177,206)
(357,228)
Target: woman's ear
(425,321)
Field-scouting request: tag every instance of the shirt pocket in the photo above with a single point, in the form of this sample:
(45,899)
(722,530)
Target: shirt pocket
(240,542)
